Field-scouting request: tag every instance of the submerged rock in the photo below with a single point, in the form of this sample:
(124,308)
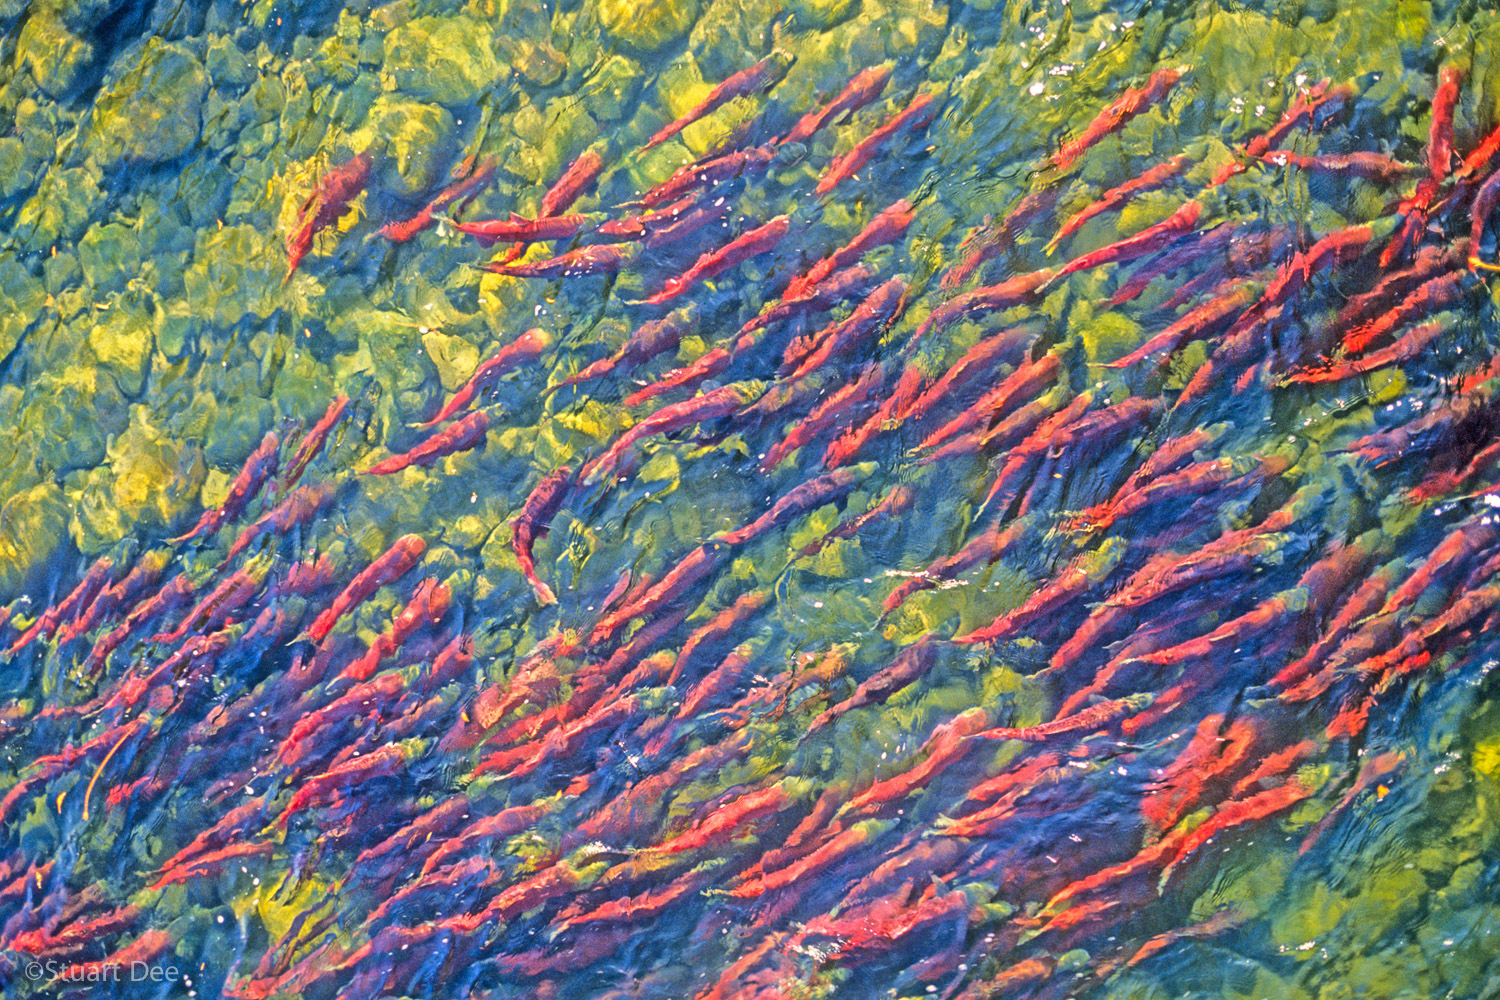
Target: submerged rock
(54,55)
(122,342)
(649,25)
(418,142)
(611,92)
(155,479)
(110,255)
(450,60)
(33,525)
(823,13)
(77,407)
(152,113)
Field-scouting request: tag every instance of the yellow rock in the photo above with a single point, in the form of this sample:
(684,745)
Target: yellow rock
(647,25)
(33,523)
(123,343)
(155,479)
(454,358)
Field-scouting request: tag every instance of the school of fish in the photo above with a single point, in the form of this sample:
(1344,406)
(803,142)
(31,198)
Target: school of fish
(1206,638)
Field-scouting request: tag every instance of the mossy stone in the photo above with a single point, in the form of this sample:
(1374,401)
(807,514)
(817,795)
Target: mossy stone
(418,140)
(454,357)
(76,408)
(821,13)
(612,90)
(242,416)
(152,113)
(96,524)
(110,255)
(228,64)
(33,525)
(37,127)
(175,326)
(647,25)
(61,208)
(21,297)
(52,53)
(17,171)
(155,478)
(233,274)
(538,62)
(122,342)
(449,60)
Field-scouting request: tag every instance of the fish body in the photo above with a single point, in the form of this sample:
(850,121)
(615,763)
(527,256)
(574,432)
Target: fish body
(335,190)
(522,351)
(1119,195)
(1201,323)
(887,227)
(519,229)
(312,443)
(464,434)
(1366,166)
(141,577)
(300,507)
(669,590)
(651,339)
(1023,384)
(916,115)
(839,404)
(720,402)
(429,602)
(535,520)
(693,175)
(577,179)
(800,499)
(866,85)
(47,624)
(1113,118)
(832,290)
(258,468)
(389,567)
(867,320)
(464,187)
(601,258)
(1023,289)
(762,76)
(908,666)
(324,788)
(1147,241)
(1440,132)
(753,243)
(1080,576)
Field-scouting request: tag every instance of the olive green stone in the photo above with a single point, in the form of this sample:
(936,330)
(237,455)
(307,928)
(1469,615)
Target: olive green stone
(155,478)
(228,64)
(151,114)
(454,358)
(647,25)
(76,408)
(110,255)
(418,140)
(611,92)
(448,60)
(823,13)
(122,342)
(33,525)
(52,53)
(21,298)
(16,170)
